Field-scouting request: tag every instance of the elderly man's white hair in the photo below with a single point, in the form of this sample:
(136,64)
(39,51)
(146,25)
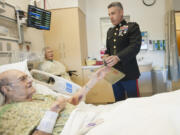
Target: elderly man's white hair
(44,50)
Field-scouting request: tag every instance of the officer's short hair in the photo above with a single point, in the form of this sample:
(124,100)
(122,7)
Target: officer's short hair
(115,4)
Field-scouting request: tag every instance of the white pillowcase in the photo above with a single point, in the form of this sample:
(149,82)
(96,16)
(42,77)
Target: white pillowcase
(21,66)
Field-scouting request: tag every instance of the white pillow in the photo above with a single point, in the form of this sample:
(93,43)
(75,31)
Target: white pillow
(21,66)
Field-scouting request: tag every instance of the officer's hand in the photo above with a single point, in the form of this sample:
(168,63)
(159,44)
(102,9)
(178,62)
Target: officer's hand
(112,60)
(105,56)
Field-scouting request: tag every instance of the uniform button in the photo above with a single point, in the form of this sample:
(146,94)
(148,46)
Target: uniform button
(115,34)
(116,28)
(114,40)
(114,47)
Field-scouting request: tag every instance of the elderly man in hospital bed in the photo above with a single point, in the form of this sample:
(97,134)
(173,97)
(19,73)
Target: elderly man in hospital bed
(23,110)
(26,113)
(52,66)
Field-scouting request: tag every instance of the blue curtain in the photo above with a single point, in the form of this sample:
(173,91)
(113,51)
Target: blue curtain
(172,58)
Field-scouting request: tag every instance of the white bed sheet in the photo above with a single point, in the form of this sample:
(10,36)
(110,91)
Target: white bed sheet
(156,115)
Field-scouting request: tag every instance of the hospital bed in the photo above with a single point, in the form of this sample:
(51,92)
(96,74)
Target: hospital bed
(59,84)
(155,115)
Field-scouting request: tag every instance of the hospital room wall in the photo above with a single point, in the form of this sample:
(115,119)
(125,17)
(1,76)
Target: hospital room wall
(30,34)
(150,19)
(57,4)
(172,5)
(176,5)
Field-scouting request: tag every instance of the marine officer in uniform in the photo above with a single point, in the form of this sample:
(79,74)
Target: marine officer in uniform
(123,44)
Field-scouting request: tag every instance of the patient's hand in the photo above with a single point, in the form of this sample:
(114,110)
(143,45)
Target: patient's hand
(100,73)
(76,98)
(59,104)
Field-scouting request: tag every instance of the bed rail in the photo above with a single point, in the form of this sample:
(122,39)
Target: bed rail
(60,84)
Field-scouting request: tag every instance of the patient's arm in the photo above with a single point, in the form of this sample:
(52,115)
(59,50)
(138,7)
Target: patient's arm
(97,76)
(56,107)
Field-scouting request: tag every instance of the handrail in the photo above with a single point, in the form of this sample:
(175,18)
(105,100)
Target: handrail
(20,40)
(8,38)
(8,18)
(7,4)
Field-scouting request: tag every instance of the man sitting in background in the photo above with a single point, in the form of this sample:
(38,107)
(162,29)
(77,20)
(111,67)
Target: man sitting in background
(52,66)
(35,114)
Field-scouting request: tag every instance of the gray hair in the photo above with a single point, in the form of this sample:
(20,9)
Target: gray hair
(44,49)
(115,4)
(3,82)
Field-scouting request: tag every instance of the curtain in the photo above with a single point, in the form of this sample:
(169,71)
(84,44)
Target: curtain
(171,55)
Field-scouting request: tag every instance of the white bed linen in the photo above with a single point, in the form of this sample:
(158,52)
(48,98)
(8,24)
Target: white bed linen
(156,115)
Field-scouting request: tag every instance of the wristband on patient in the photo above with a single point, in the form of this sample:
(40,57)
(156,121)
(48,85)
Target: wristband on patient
(48,121)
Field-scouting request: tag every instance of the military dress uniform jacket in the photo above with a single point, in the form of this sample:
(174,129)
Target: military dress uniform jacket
(124,40)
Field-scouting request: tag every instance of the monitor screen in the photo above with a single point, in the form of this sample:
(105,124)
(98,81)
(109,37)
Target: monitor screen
(38,18)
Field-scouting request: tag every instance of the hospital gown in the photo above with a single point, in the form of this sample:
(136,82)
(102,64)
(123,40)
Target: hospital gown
(54,67)
(22,118)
